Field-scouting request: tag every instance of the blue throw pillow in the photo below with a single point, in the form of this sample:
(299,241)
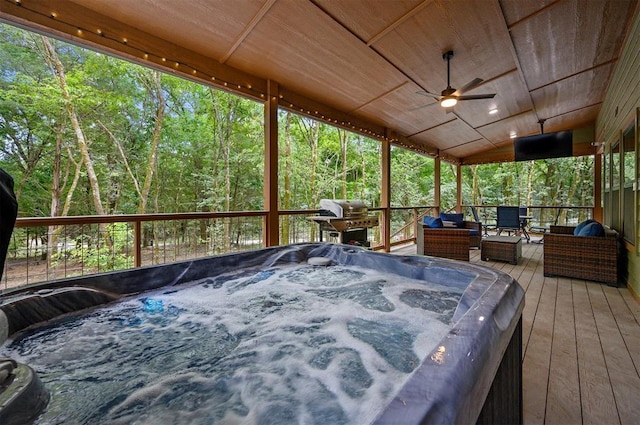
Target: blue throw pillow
(433,222)
(592,229)
(457,218)
(582,225)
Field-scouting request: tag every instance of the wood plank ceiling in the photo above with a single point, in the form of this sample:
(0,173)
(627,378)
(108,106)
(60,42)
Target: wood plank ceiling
(364,60)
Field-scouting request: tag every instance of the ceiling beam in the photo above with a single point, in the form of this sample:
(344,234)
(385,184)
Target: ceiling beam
(247,30)
(397,22)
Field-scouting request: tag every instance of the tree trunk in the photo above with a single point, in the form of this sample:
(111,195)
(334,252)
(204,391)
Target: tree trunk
(156,92)
(56,194)
(476,189)
(576,178)
(58,69)
(343,136)
(363,168)
(529,184)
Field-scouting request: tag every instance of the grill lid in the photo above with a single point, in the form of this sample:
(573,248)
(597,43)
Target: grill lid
(343,208)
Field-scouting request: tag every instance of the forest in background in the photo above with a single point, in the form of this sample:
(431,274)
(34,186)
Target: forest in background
(84,133)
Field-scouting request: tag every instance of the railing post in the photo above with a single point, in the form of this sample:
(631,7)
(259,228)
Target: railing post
(137,243)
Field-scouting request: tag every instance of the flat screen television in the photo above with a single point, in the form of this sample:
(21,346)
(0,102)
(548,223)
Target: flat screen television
(543,146)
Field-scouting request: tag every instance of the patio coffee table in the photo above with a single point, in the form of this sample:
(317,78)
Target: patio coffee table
(504,248)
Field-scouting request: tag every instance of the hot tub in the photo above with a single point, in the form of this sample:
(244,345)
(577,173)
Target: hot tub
(309,333)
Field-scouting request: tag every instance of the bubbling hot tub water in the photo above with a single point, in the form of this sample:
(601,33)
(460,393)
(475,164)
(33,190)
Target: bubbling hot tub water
(268,337)
(290,344)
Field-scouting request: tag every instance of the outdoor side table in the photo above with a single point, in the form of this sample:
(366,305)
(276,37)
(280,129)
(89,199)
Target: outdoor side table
(503,248)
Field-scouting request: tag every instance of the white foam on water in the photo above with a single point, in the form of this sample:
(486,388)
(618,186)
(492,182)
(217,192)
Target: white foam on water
(295,343)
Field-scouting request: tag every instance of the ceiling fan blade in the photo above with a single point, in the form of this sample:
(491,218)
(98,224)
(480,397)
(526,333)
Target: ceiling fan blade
(426,93)
(476,96)
(469,86)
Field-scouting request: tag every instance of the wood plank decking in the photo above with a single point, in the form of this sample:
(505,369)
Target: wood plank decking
(581,346)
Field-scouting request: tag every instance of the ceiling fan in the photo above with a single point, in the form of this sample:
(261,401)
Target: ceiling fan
(450,96)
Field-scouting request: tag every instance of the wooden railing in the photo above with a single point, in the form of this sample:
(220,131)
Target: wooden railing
(51,248)
(540,215)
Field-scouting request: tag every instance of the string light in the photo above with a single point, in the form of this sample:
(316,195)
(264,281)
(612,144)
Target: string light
(242,87)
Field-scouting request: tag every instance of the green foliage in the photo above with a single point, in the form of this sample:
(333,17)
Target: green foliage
(211,147)
(109,252)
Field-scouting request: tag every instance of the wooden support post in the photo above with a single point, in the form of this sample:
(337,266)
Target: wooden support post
(459,188)
(597,188)
(436,182)
(385,196)
(272,220)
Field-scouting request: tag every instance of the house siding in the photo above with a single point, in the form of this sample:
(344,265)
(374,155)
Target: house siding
(621,103)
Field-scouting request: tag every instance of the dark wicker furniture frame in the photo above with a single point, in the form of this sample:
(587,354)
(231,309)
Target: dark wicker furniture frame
(582,257)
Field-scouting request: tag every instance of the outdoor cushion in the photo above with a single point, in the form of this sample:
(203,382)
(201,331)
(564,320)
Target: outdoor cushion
(473,232)
(433,222)
(581,226)
(455,217)
(592,229)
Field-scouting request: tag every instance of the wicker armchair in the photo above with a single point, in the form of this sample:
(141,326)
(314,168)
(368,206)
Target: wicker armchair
(445,242)
(582,257)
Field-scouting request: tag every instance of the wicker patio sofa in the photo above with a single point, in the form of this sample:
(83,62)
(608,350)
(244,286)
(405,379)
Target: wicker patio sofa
(582,257)
(448,242)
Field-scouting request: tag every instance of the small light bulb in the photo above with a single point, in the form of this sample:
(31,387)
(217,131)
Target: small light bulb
(146,56)
(54,15)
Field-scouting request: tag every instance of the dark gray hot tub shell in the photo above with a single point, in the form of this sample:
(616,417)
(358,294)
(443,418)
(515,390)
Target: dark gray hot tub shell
(473,376)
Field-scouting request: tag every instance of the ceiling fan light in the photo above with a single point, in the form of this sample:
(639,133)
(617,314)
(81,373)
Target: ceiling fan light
(448,102)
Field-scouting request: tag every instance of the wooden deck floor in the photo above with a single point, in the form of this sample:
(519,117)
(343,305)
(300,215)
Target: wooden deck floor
(581,346)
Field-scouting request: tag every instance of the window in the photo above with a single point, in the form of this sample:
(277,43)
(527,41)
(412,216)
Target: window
(615,186)
(628,189)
